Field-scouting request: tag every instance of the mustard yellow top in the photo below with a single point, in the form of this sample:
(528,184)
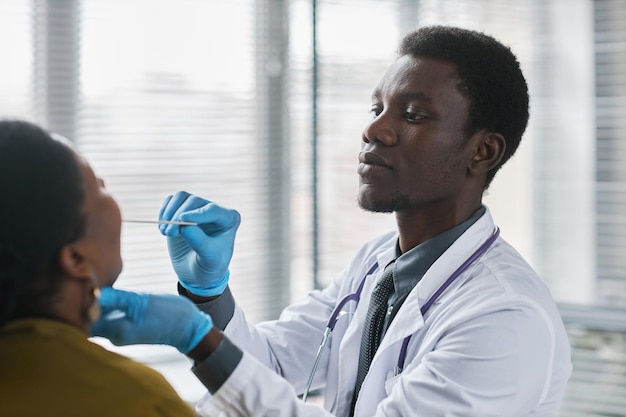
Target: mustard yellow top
(49,369)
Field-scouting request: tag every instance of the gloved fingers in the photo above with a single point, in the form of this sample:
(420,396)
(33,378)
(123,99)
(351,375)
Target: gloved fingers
(171,302)
(210,237)
(111,298)
(214,247)
(125,302)
(114,330)
(165,205)
(215,232)
(203,325)
(174,206)
(180,202)
(115,321)
(99,328)
(197,240)
(213,218)
(168,212)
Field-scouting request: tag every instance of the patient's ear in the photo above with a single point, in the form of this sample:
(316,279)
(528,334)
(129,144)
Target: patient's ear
(489,149)
(73,261)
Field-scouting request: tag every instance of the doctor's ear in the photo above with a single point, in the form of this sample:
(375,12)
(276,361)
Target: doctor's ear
(73,262)
(488,151)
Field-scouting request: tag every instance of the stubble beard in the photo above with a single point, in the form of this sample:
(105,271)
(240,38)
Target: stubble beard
(397,203)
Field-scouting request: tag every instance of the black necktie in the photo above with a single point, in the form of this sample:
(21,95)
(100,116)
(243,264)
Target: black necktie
(374,323)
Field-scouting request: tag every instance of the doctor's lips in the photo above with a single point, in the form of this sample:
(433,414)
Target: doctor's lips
(370,158)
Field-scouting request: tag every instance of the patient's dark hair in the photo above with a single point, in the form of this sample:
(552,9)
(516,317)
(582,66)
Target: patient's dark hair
(40,212)
(490,77)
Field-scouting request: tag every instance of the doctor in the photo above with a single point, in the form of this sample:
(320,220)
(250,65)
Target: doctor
(467,327)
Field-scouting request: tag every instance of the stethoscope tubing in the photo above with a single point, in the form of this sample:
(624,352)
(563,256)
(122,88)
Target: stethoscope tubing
(356,296)
(334,317)
(464,266)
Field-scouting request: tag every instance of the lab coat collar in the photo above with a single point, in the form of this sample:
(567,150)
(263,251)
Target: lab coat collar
(409,319)
(386,256)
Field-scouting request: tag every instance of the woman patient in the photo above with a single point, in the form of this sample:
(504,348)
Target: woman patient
(59,243)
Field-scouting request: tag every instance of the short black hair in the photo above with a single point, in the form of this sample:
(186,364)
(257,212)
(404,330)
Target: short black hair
(490,77)
(41,211)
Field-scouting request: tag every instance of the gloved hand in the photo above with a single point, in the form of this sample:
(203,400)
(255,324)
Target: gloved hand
(200,254)
(130,318)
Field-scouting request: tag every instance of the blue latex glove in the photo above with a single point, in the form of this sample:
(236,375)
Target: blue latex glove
(130,318)
(200,254)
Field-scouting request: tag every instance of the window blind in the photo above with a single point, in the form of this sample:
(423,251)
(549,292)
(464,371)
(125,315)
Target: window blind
(214,97)
(597,333)
(351,62)
(172,104)
(162,96)
(350,65)
(562,154)
(16,45)
(598,339)
(610,83)
(544,199)
(175,102)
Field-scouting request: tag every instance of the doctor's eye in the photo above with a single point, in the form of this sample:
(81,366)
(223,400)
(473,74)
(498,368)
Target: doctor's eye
(413,117)
(375,110)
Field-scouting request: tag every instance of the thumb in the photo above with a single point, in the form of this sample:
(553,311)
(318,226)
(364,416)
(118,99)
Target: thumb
(197,239)
(213,218)
(125,305)
(112,298)
(125,301)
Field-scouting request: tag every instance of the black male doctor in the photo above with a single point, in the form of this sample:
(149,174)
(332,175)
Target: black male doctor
(466,326)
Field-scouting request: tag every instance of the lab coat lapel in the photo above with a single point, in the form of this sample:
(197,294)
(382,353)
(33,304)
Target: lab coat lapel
(351,341)
(455,256)
(408,321)
(409,318)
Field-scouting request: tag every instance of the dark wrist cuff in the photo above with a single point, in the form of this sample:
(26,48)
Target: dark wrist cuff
(218,366)
(221,309)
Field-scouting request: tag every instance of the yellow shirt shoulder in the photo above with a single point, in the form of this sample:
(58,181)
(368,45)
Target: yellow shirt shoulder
(49,368)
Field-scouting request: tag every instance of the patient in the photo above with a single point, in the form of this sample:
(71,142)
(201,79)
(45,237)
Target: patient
(59,243)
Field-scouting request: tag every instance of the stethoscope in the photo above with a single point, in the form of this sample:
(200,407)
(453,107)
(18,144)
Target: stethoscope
(356,297)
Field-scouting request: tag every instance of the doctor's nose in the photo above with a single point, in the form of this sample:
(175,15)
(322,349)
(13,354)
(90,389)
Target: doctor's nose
(379,129)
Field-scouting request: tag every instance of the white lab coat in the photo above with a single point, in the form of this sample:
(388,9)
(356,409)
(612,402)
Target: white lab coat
(493,344)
